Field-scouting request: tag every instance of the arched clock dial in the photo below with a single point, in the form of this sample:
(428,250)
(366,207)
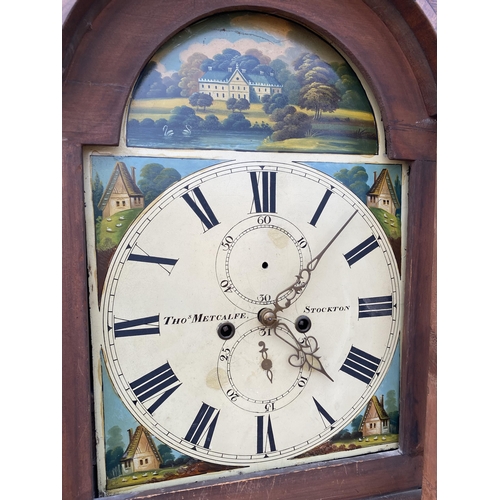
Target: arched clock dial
(251,312)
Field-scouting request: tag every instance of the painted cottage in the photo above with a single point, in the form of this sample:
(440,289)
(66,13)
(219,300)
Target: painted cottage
(382,194)
(141,453)
(375,420)
(121,193)
(223,85)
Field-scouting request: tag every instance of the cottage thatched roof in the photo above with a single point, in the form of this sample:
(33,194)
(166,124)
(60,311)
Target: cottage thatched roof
(134,443)
(376,189)
(379,408)
(132,188)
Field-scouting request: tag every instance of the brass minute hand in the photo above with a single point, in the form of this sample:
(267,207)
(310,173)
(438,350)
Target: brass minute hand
(305,350)
(305,274)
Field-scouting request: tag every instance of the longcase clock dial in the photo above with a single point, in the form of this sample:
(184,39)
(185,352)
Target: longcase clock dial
(251,312)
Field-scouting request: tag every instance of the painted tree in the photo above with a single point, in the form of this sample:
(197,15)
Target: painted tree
(171,83)
(349,87)
(236,121)
(150,83)
(200,100)
(319,97)
(190,72)
(211,122)
(155,178)
(392,408)
(289,123)
(97,190)
(114,450)
(230,103)
(241,105)
(276,101)
(355,179)
(167,457)
(263,59)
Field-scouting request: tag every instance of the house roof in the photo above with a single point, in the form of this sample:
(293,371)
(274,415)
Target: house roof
(249,78)
(378,185)
(120,170)
(379,408)
(134,443)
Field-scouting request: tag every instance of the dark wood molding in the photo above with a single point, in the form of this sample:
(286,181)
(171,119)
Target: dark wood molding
(392,44)
(343,480)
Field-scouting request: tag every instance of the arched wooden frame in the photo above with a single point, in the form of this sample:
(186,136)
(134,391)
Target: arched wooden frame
(392,43)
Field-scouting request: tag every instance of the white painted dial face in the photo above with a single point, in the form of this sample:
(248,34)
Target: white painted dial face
(184,346)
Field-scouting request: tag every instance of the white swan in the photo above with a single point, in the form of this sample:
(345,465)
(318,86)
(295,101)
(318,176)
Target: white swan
(187,130)
(167,132)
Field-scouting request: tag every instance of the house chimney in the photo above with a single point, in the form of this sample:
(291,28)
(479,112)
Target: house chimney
(374,177)
(130,435)
(133,173)
(382,401)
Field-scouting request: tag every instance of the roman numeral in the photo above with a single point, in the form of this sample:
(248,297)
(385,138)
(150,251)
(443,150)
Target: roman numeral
(360,365)
(139,255)
(203,426)
(324,414)
(320,208)
(361,250)
(204,212)
(264,191)
(265,437)
(160,382)
(375,306)
(140,326)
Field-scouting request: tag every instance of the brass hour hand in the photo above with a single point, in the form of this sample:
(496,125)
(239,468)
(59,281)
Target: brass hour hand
(305,348)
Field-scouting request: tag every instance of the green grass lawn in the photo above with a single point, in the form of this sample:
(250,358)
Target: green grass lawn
(390,223)
(162,108)
(113,228)
(138,478)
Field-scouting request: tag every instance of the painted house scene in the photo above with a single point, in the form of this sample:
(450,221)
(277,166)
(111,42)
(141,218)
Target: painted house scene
(121,193)
(141,454)
(123,187)
(375,420)
(250,82)
(134,456)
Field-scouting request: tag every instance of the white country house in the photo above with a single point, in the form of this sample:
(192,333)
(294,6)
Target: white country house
(237,83)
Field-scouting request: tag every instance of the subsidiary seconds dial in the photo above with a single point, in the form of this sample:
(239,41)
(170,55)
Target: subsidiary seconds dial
(251,256)
(193,283)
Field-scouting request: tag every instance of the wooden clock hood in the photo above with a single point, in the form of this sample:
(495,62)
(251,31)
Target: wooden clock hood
(392,43)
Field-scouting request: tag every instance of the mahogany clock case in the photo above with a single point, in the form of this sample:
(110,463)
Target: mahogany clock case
(392,44)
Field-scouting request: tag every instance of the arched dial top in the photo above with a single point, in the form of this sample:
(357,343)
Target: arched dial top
(219,247)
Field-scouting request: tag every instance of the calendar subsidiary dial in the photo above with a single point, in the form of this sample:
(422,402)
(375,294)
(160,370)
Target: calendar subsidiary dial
(250,312)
